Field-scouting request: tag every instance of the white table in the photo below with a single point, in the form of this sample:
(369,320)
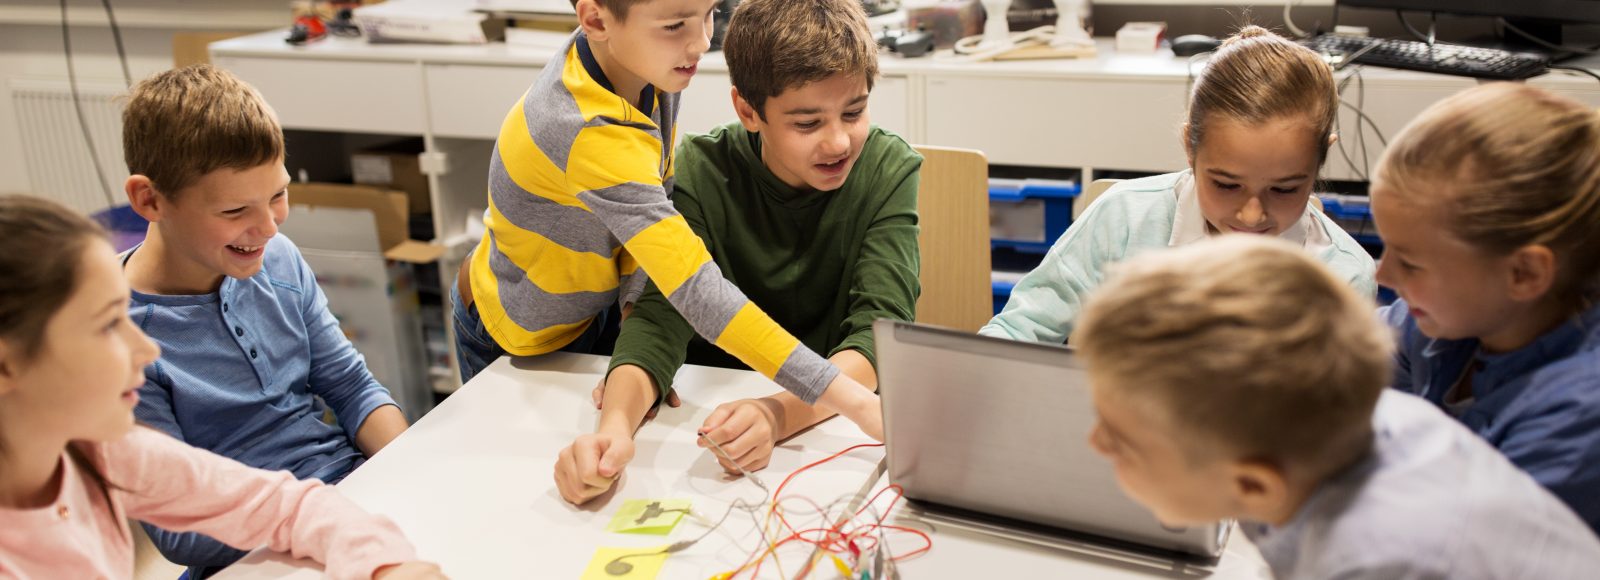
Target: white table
(471,484)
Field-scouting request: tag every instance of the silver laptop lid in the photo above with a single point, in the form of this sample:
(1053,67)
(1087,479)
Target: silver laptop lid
(1001,427)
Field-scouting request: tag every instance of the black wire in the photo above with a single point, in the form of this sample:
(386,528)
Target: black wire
(116,35)
(1350,58)
(1412,29)
(77,105)
(1338,117)
(1408,28)
(1361,133)
(1354,76)
(1371,123)
(1362,122)
(1578,69)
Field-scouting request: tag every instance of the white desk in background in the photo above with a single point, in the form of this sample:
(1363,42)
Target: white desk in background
(471,484)
(1113,111)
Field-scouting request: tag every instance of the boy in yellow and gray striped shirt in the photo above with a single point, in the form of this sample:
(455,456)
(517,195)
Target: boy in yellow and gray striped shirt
(579,213)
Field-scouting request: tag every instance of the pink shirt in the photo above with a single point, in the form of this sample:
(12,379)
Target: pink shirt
(161,480)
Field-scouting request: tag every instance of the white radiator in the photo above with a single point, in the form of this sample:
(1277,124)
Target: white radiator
(57,158)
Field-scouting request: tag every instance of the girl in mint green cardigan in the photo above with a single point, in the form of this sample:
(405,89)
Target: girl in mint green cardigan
(1260,122)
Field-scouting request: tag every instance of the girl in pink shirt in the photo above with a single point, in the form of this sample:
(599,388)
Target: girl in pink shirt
(73,466)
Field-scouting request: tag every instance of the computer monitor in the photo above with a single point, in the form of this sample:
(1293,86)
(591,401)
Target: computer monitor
(1555,11)
(1540,19)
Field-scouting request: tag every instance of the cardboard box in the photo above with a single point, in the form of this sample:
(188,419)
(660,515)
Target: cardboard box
(394,166)
(388,209)
(193,47)
(354,239)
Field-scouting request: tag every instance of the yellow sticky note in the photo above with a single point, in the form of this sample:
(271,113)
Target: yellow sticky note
(625,564)
(648,516)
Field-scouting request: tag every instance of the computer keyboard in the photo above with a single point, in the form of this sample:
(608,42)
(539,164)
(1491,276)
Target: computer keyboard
(1450,59)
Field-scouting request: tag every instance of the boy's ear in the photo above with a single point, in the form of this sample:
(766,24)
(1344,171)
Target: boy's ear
(747,114)
(143,197)
(9,369)
(1260,488)
(1532,272)
(594,19)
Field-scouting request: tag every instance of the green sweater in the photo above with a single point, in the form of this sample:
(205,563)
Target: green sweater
(823,264)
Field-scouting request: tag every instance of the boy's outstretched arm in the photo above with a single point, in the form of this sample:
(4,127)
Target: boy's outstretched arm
(631,201)
(749,429)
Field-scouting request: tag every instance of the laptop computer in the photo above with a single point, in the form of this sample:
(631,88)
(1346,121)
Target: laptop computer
(992,435)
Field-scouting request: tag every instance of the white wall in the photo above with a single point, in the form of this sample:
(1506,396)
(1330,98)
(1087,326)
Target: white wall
(31,47)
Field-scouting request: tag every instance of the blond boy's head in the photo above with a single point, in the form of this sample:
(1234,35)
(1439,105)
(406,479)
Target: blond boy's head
(1230,376)
(184,123)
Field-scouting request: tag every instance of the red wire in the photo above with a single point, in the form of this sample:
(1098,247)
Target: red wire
(777,495)
(777,499)
(832,539)
(927,545)
(899,492)
(820,462)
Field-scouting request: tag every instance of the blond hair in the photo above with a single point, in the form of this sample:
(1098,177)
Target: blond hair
(184,123)
(1509,166)
(1248,344)
(1256,77)
(776,45)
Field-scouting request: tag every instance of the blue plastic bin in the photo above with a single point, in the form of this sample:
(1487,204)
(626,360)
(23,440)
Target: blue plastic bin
(1354,214)
(127,227)
(1028,215)
(1002,294)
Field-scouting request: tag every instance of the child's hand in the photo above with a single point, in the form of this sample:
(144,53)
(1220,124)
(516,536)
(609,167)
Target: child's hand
(745,430)
(590,466)
(409,571)
(599,395)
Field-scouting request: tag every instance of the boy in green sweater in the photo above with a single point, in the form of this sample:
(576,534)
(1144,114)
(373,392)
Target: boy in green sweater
(806,207)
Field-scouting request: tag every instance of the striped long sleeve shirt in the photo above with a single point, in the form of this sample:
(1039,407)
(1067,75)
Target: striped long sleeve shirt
(578,206)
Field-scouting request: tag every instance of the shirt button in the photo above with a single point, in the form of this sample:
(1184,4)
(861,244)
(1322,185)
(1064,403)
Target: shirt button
(252,353)
(238,331)
(63,512)
(224,306)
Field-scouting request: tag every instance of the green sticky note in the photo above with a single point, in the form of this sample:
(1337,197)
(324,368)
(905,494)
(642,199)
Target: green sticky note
(648,516)
(625,564)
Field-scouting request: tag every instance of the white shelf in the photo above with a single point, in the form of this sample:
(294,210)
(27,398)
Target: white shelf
(1113,111)
(148,18)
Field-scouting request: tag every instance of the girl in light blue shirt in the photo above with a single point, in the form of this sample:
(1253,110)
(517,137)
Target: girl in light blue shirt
(1260,122)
